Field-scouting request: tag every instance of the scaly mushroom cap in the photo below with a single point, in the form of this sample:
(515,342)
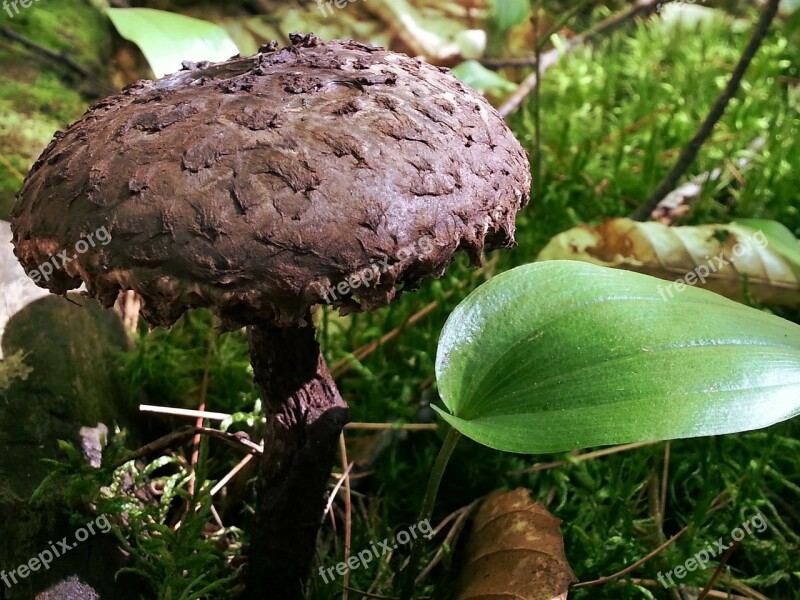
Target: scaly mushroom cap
(322,172)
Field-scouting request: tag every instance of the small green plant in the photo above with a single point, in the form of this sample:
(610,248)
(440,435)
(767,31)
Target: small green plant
(182,562)
(11,368)
(156,520)
(560,355)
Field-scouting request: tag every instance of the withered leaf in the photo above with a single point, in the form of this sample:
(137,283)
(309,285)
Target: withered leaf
(726,259)
(515,551)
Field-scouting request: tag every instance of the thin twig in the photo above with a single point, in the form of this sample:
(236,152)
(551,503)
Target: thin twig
(343,365)
(232,439)
(14,171)
(582,457)
(450,539)
(548,59)
(217,518)
(537,107)
(332,496)
(718,571)
(202,407)
(348,512)
(387,426)
(231,474)
(379,597)
(655,584)
(155,445)
(662,505)
(59,57)
(718,503)
(631,567)
(184,412)
(185,433)
(742,587)
(691,150)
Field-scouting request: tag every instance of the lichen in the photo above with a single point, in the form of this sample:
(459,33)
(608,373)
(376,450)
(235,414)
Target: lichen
(13,368)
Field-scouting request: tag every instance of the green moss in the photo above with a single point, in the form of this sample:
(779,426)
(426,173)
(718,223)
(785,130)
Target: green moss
(39,96)
(73,27)
(11,368)
(29,115)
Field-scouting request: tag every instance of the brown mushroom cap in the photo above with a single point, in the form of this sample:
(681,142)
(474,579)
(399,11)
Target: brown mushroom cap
(257,185)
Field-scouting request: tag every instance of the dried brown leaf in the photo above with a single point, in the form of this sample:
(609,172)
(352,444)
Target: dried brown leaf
(515,552)
(730,258)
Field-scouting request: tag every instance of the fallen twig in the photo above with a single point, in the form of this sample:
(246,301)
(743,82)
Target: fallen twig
(345,364)
(348,512)
(184,412)
(202,407)
(691,150)
(581,457)
(388,426)
(187,432)
(58,57)
(718,571)
(631,567)
(652,583)
(548,59)
(676,203)
(231,474)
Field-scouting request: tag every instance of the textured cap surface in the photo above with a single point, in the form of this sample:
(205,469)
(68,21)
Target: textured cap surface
(322,172)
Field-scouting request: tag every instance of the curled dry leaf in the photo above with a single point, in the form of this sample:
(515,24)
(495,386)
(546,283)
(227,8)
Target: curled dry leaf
(515,550)
(732,260)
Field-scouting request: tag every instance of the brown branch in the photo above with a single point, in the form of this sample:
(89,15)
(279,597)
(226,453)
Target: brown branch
(691,150)
(202,407)
(718,571)
(185,433)
(58,57)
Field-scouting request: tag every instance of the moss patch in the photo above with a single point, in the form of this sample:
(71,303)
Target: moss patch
(39,96)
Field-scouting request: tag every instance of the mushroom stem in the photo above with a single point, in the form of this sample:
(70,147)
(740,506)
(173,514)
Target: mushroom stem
(305,416)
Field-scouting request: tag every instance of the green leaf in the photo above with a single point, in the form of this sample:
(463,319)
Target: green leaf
(779,238)
(167,39)
(481,79)
(507,13)
(559,355)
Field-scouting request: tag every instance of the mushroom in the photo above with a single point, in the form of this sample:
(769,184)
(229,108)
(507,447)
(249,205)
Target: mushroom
(322,173)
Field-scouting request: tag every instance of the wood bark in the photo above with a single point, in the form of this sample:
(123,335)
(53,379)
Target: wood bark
(305,416)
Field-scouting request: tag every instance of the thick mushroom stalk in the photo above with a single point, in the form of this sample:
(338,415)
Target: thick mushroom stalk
(321,173)
(305,416)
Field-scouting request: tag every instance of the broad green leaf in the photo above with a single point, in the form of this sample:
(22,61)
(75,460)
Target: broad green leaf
(479,78)
(167,39)
(559,355)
